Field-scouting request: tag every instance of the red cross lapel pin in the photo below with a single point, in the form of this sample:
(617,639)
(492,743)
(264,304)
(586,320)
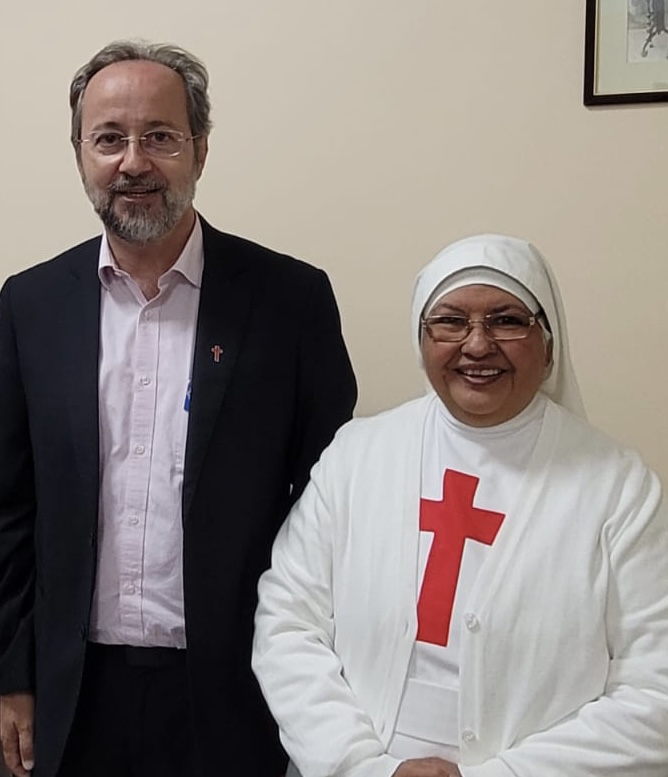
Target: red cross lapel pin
(217,352)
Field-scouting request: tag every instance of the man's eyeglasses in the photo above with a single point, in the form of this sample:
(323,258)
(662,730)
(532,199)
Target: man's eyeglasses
(157,143)
(497,326)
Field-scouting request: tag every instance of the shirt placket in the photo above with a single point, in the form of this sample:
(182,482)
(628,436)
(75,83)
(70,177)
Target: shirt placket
(142,428)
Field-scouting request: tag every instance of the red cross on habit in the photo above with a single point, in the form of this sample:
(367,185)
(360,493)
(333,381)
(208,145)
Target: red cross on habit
(452,520)
(217,352)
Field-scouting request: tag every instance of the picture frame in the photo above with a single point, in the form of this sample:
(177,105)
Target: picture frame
(626,52)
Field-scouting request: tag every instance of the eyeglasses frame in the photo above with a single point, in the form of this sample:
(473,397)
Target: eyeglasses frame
(140,139)
(533,320)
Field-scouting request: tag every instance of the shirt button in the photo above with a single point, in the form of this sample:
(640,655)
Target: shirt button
(471,622)
(147,316)
(140,450)
(145,380)
(129,588)
(134,520)
(468,736)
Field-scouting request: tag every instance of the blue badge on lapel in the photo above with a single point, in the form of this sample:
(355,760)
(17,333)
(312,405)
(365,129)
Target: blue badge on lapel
(189,392)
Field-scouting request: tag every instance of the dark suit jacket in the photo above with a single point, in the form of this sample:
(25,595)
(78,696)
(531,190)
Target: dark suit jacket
(259,419)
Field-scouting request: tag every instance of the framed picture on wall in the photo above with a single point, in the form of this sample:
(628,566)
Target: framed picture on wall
(626,52)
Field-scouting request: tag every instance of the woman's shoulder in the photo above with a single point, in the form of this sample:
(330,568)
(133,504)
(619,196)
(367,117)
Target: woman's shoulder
(406,417)
(368,443)
(584,445)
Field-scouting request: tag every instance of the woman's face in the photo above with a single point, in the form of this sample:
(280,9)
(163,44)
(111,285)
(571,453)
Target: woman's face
(481,381)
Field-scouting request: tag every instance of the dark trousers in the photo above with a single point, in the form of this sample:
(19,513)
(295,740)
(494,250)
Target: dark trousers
(133,716)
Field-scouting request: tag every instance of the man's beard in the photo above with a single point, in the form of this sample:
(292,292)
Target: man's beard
(137,224)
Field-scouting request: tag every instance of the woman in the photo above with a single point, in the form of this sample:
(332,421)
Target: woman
(475,582)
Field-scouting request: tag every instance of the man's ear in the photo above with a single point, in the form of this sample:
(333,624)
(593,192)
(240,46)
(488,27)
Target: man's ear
(201,151)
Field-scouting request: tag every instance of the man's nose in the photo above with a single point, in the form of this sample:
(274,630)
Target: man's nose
(134,160)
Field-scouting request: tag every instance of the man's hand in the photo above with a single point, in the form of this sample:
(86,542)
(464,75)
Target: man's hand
(16,718)
(427,767)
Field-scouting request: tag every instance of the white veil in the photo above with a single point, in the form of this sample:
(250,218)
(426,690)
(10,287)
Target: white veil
(522,262)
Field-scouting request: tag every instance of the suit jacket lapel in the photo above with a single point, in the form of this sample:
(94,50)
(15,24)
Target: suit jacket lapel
(225,304)
(78,340)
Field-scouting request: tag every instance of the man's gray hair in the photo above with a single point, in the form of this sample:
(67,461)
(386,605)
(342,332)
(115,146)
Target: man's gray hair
(192,71)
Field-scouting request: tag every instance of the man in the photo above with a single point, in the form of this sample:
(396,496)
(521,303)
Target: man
(164,391)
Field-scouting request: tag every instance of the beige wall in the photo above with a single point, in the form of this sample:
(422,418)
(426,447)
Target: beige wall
(362,135)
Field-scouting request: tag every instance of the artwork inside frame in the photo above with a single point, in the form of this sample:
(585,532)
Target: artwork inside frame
(626,52)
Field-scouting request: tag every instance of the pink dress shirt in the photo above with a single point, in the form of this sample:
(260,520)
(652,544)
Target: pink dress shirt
(146,353)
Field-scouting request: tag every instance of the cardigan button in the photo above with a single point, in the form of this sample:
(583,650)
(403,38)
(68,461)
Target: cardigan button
(471,622)
(468,736)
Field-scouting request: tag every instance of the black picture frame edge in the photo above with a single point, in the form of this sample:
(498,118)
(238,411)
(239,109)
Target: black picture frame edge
(590,53)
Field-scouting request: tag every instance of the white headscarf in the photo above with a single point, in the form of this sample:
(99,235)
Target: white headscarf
(523,263)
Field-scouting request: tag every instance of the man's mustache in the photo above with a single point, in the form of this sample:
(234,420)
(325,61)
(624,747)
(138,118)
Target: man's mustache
(137,184)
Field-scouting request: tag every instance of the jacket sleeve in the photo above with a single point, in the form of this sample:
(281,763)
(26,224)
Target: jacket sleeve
(625,731)
(17,516)
(322,726)
(327,390)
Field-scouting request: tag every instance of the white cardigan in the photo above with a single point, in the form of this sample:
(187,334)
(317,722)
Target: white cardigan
(565,671)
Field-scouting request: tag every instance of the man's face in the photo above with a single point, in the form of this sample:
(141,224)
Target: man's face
(140,198)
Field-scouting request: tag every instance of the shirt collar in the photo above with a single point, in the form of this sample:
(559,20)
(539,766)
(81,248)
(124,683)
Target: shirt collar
(190,263)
